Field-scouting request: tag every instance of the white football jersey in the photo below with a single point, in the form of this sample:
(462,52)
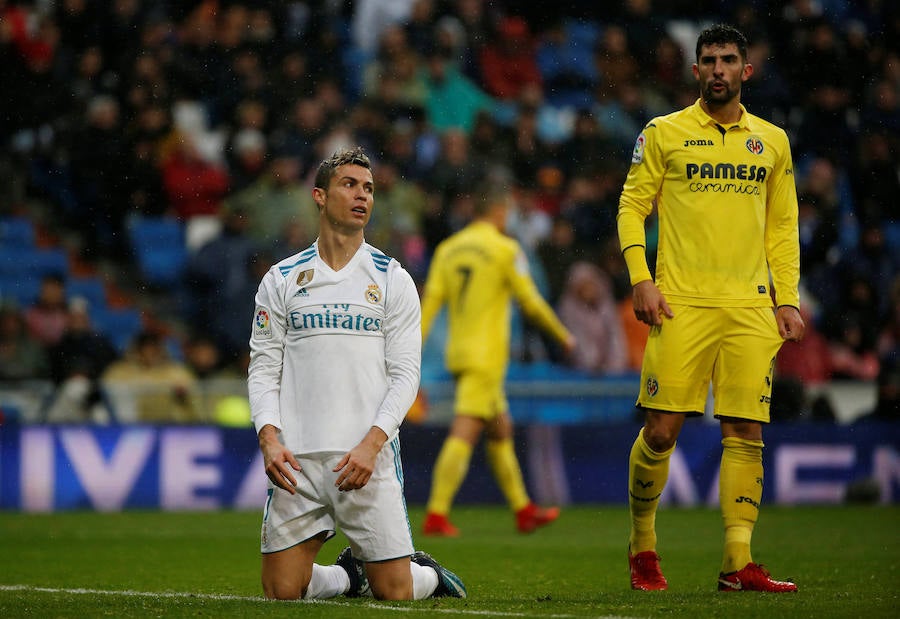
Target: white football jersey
(333,353)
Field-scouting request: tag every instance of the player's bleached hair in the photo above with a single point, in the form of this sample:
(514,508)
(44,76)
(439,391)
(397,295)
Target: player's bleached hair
(354,156)
(722,34)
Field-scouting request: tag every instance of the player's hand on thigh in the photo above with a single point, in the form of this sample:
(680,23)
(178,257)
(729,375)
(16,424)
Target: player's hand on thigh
(790,323)
(650,305)
(278,460)
(356,467)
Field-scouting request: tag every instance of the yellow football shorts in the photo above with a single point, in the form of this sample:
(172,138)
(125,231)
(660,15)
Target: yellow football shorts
(732,347)
(480,394)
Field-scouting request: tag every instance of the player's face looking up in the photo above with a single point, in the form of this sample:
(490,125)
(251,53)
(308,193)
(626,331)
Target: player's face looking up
(347,202)
(719,71)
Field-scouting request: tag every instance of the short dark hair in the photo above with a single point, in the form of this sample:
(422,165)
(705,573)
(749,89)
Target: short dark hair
(355,156)
(722,34)
(492,188)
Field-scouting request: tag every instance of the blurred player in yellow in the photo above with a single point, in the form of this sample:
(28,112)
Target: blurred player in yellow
(476,273)
(722,182)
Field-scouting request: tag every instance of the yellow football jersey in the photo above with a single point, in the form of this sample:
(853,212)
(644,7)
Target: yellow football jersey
(476,273)
(727,209)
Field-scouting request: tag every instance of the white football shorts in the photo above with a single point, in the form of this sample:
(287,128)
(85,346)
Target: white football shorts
(374,518)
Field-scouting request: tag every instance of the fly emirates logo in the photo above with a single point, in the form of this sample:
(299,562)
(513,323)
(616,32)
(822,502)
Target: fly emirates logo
(725,178)
(339,316)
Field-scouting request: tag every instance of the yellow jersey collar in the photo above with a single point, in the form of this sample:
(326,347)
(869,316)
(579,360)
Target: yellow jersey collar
(481,223)
(704,119)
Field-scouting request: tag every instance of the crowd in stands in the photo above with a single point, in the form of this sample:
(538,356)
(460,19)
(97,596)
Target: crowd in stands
(212,115)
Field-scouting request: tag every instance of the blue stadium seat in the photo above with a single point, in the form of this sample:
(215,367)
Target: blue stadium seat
(16,232)
(891,231)
(91,289)
(33,262)
(119,325)
(568,69)
(159,249)
(23,291)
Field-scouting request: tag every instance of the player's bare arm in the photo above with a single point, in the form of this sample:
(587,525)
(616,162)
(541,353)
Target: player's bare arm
(790,324)
(357,464)
(277,459)
(649,303)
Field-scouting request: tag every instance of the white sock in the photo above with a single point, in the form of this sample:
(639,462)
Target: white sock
(327,581)
(425,581)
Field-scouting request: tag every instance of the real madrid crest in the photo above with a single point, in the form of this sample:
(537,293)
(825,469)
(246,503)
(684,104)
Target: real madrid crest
(373,294)
(305,277)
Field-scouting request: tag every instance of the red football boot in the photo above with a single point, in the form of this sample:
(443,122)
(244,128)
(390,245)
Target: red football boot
(438,525)
(645,572)
(754,577)
(531,517)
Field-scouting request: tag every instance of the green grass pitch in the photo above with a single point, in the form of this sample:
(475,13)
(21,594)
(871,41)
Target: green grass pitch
(155,564)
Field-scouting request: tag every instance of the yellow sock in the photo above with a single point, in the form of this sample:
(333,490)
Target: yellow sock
(501,456)
(648,472)
(449,472)
(740,491)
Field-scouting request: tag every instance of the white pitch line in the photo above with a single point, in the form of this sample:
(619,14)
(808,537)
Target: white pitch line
(243,598)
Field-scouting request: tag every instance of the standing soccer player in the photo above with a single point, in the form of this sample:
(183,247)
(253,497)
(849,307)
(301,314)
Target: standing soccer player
(722,181)
(476,273)
(334,367)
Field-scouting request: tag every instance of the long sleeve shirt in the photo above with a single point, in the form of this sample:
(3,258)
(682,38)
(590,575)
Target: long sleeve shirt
(333,353)
(477,272)
(727,209)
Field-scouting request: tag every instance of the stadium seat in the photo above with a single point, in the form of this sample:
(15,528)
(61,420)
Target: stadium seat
(119,325)
(891,231)
(16,232)
(568,69)
(22,291)
(33,262)
(91,289)
(159,249)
